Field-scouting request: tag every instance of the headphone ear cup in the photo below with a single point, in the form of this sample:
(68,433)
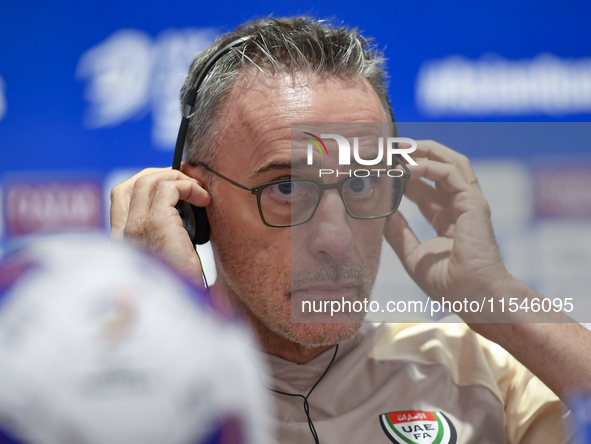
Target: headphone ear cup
(202,228)
(195,222)
(184,209)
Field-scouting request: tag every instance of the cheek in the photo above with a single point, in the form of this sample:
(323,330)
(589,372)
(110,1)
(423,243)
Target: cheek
(368,240)
(369,233)
(253,260)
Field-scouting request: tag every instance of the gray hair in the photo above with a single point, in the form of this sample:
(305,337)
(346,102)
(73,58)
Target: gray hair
(277,45)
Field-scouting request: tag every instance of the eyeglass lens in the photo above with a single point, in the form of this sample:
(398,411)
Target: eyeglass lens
(292,203)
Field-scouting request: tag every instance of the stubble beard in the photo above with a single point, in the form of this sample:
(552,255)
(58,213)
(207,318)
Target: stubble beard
(244,266)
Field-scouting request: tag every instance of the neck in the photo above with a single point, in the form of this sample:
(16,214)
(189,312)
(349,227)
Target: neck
(269,341)
(277,345)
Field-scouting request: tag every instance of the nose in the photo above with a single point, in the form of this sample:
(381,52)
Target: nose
(330,235)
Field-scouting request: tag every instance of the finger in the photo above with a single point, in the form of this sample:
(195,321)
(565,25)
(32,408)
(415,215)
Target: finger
(145,188)
(432,205)
(146,185)
(436,151)
(447,175)
(120,200)
(169,193)
(400,236)
(119,210)
(149,226)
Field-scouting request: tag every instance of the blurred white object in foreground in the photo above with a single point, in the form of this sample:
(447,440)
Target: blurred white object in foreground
(100,344)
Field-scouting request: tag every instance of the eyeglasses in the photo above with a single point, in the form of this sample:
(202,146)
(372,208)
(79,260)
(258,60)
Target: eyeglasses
(290,202)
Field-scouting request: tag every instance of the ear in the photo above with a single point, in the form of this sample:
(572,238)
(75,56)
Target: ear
(195,172)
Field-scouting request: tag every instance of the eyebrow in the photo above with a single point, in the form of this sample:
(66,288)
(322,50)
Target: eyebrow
(277,165)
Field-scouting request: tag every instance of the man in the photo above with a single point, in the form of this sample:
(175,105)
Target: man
(399,383)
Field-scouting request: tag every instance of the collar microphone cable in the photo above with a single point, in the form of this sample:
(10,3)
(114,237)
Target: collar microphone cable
(296,395)
(305,398)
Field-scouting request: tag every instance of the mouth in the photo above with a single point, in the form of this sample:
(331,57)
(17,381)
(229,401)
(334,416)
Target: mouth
(327,290)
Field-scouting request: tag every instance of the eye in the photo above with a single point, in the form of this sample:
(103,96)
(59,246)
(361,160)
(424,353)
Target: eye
(359,186)
(290,193)
(285,189)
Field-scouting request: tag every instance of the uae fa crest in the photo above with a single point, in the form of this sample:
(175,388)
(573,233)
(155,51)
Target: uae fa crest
(416,427)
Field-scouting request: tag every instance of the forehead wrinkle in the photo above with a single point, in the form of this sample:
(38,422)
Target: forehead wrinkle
(259,96)
(296,100)
(258,114)
(254,111)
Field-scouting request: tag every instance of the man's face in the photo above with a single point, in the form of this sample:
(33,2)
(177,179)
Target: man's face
(331,256)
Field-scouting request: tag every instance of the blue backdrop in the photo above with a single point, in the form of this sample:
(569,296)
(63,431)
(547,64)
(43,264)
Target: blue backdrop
(42,43)
(91,87)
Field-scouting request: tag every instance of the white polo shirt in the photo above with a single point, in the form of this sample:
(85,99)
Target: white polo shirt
(416,383)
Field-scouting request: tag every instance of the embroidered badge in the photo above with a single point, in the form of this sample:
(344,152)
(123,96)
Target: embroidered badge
(415,427)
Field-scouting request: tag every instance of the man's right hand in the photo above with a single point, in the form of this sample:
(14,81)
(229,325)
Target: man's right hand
(143,211)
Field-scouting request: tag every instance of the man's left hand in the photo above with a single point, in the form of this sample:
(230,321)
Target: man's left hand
(463,261)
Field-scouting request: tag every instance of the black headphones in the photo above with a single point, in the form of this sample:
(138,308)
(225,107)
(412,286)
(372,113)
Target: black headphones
(195,218)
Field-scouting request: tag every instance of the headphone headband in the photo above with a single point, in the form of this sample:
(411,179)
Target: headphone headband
(192,99)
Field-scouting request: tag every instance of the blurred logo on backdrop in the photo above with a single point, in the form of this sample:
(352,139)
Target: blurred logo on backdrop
(130,74)
(39,207)
(3,104)
(492,85)
(563,191)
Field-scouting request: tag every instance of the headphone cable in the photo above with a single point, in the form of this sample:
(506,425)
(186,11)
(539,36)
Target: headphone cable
(203,274)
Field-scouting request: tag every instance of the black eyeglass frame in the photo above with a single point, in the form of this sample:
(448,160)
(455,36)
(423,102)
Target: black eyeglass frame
(258,191)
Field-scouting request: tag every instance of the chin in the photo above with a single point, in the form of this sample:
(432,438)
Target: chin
(313,335)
